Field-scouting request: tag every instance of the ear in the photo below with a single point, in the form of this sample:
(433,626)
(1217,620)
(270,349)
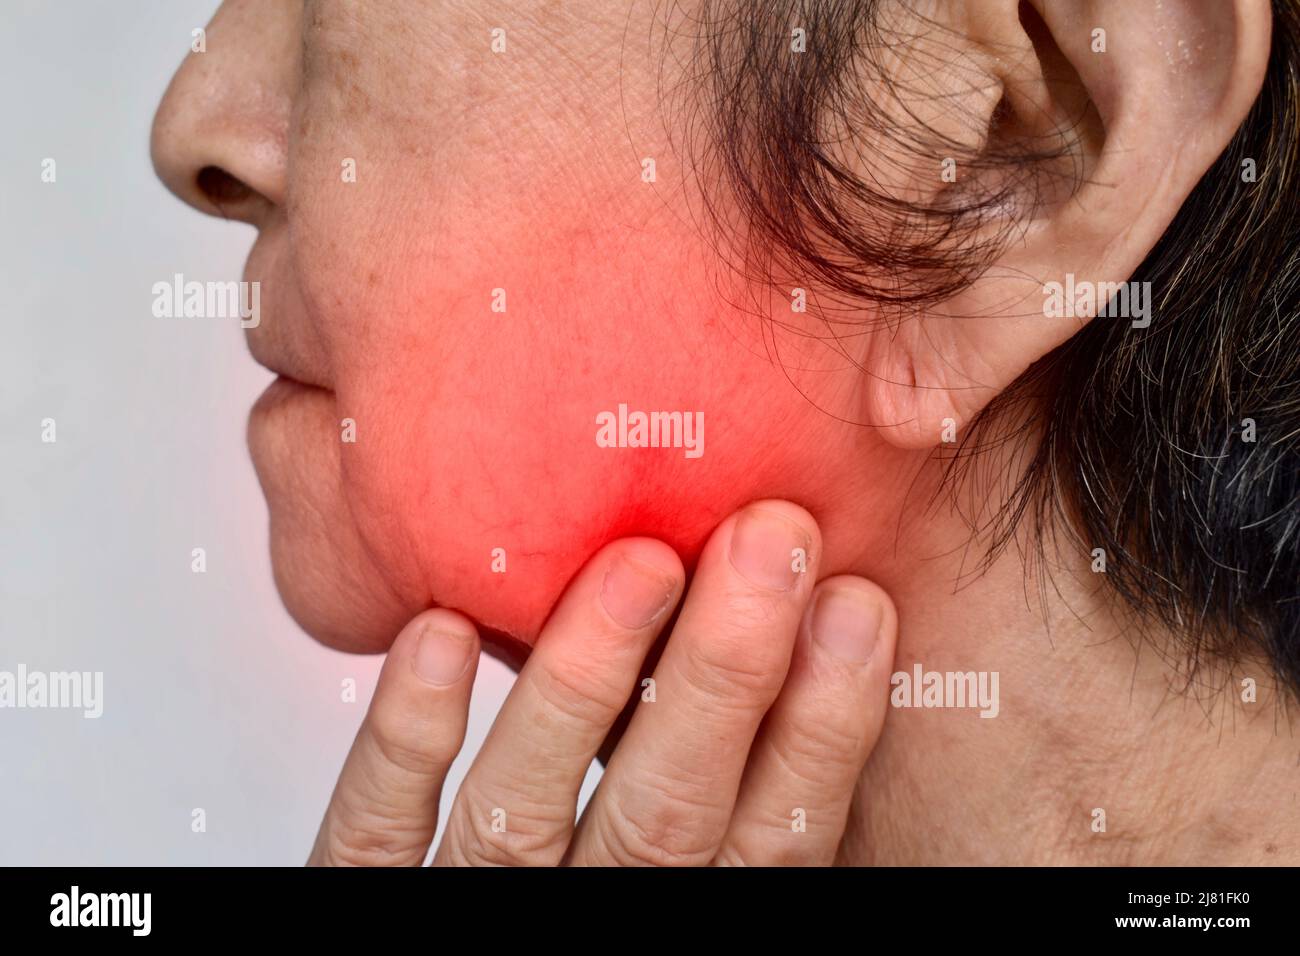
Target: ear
(1147,95)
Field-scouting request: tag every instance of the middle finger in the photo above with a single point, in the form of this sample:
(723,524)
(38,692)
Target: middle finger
(668,792)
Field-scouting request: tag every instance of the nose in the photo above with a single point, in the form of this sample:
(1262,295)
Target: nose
(220,136)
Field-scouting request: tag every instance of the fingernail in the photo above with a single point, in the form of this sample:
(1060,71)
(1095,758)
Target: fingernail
(846,624)
(634,594)
(763,547)
(442,657)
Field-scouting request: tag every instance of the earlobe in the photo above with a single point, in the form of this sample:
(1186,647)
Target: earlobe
(917,398)
(906,414)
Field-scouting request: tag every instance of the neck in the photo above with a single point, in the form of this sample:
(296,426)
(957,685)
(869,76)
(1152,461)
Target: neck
(1102,750)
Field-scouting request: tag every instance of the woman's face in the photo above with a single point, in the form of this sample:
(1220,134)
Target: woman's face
(462,266)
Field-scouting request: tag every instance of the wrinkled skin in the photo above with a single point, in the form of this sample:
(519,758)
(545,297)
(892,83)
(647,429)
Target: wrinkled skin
(475,429)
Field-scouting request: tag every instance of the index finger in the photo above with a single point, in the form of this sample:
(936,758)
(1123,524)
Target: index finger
(384,810)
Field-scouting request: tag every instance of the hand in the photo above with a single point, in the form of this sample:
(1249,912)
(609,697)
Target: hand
(768,698)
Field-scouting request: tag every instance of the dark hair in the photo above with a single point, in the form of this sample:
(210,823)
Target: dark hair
(1142,435)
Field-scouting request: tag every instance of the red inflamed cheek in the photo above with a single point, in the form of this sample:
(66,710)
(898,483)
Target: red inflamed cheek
(535,397)
(498,521)
(490,506)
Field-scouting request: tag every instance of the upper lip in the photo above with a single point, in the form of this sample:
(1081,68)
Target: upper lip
(277,364)
(282,341)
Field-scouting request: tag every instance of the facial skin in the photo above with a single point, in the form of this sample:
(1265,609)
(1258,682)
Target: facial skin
(521,171)
(476,429)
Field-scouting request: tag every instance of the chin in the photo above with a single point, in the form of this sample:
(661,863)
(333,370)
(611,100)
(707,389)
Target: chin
(329,602)
(329,609)
(326,577)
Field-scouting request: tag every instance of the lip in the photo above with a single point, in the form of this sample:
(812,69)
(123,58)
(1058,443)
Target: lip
(284,370)
(284,341)
(283,389)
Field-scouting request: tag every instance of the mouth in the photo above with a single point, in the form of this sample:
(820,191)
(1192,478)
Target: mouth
(285,341)
(282,390)
(288,372)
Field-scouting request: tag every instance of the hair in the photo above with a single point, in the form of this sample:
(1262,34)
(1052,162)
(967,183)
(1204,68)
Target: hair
(1137,441)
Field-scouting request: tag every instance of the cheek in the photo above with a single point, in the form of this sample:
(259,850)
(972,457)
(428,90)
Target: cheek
(476,480)
(479,477)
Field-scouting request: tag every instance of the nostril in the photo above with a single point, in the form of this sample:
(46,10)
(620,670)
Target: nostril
(220,187)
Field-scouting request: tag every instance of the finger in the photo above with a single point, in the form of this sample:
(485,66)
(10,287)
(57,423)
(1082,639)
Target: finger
(518,802)
(669,788)
(797,788)
(385,806)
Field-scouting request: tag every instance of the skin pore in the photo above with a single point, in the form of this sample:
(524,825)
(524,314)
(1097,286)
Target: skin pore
(476,429)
